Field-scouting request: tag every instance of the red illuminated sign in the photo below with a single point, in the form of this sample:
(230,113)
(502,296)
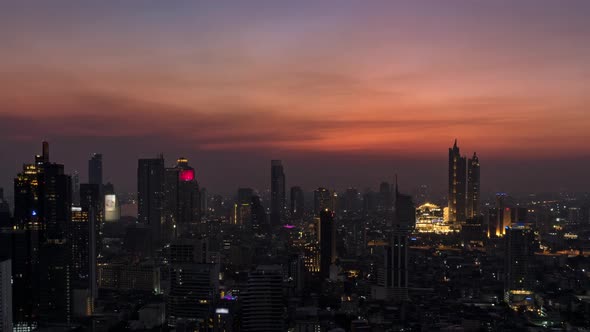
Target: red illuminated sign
(187,175)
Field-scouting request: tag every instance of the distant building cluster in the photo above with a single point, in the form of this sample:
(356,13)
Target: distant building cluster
(173,256)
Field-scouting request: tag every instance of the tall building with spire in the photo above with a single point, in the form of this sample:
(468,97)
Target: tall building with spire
(277,191)
(457,185)
(473,187)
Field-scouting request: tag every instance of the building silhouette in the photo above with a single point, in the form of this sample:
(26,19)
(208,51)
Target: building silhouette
(150,196)
(473,187)
(95,170)
(277,193)
(457,185)
(182,199)
(322,200)
(297,202)
(262,304)
(327,242)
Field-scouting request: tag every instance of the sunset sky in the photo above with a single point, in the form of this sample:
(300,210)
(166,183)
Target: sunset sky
(347,93)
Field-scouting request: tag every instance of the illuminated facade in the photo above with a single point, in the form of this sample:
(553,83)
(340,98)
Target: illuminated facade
(182,206)
(430,219)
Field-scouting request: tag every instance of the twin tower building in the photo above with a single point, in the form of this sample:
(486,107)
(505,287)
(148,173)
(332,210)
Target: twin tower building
(464,186)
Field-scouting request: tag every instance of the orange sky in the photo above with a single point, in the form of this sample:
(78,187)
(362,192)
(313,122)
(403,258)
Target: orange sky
(510,80)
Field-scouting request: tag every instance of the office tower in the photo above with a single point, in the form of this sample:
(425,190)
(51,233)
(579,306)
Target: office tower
(182,203)
(352,201)
(520,248)
(243,206)
(297,202)
(84,252)
(457,185)
(322,200)
(204,201)
(277,193)
(5,221)
(150,195)
(194,284)
(385,197)
(54,217)
(95,170)
(473,187)
(263,305)
(258,215)
(327,240)
(76,188)
(6,295)
(396,253)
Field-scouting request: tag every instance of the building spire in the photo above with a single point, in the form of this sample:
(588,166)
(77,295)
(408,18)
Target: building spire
(455,145)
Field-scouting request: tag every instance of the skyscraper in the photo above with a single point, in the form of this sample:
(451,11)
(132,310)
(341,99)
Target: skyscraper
(322,200)
(259,221)
(263,300)
(396,253)
(297,202)
(473,187)
(194,284)
(327,239)
(54,216)
(277,191)
(150,195)
(6,295)
(95,169)
(182,202)
(91,203)
(243,206)
(457,184)
(5,221)
(520,248)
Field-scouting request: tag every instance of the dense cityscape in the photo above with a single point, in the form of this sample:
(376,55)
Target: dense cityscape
(79,255)
(298,166)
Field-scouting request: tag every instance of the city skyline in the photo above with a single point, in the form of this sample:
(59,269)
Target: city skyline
(349,94)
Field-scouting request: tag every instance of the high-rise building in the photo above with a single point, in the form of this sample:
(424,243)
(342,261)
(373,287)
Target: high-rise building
(473,187)
(84,253)
(76,188)
(396,253)
(322,200)
(520,248)
(91,202)
(5,221)
(53,217)
(95,170)
(243,206)
(327,241)
(259,221)
(457,185)
(263,303)
(352,200)
(385,197)
(21,247)
(277,192)
(182,203)
(194,283)
(150,195)
(297,202)
(6,295)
